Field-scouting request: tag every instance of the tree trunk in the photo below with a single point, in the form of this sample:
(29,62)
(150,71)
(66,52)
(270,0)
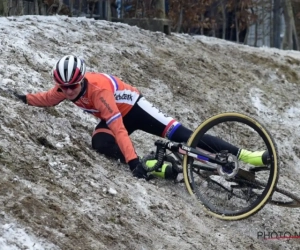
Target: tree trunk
(271,26)
(256,31)
(108,10)
(136,8)
(212,22)
(289,25)
(202,20)
(296,11)
(224,19)
(20,7)
(71,7)
(3,8)
(36,7)
(42,8)
(237,32)
(160,8)
(80,7)
(91,7)
(180,20)
(246,36)
(60,4)
(276,24)
(10,9)
(263,23)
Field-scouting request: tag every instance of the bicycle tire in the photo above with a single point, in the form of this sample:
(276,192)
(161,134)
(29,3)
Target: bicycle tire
(266,195)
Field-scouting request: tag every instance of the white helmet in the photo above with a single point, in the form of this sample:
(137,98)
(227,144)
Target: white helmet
(69,70)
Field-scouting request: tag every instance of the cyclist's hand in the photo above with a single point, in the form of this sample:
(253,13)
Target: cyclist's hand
(21,97)
(138,170)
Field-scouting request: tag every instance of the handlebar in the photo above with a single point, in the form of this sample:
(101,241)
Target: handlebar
(160,156)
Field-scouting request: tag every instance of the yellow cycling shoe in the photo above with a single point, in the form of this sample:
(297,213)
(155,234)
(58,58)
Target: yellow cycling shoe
(256,158)
(165,172)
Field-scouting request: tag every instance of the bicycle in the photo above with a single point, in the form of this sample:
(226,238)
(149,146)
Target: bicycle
(227,187)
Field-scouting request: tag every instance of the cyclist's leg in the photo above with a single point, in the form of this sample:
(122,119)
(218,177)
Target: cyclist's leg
(144,116)
(104,142)
(153,121)
(208,142)
(215,144)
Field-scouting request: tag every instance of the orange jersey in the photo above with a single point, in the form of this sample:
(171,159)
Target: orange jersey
(105,97)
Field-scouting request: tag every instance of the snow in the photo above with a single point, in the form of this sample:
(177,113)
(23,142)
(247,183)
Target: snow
(13,237)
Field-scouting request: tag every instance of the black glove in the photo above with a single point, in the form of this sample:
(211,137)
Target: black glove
(137,169)
(21,97)
(140,172)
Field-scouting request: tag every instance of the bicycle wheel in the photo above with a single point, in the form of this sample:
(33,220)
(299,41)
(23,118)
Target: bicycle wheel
(232,198)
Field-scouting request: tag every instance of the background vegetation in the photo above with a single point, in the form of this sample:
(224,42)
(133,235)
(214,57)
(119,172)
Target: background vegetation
(273,23)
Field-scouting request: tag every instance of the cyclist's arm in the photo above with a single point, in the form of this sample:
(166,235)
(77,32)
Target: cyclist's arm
(104,101)
(45,99)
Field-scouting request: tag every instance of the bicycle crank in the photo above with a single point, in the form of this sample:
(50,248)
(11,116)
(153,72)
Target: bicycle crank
(230,168)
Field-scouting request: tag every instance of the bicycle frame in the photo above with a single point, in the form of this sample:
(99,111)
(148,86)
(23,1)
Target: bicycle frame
(224,163)
(196,153)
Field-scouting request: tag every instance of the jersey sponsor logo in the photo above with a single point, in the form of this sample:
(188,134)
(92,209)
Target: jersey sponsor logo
(127,97)
(106,104)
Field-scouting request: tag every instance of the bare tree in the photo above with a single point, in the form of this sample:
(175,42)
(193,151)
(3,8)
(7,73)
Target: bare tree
(71,6)
(224,17)
(290,30)
(10,9)
(201,26)
(36,7)
(276,24)
(91,6)
(20,7)
(264,16)
(4,8)
(296,11)
(42,7)
(56,4)
(256,29)
(213,22)
(237,31)
(160,8)
(80,7)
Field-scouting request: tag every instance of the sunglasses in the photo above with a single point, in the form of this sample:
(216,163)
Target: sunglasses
(72,87)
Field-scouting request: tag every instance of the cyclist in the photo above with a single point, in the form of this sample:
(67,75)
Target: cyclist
(121,109)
